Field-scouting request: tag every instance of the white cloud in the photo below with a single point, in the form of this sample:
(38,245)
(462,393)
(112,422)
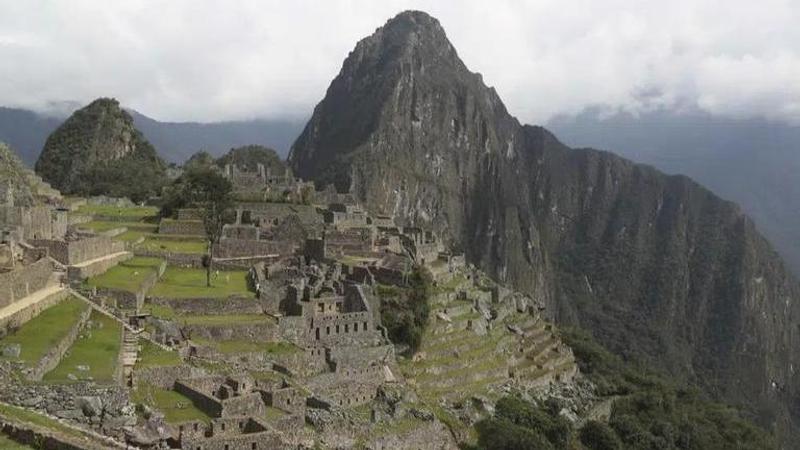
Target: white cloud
(205,60)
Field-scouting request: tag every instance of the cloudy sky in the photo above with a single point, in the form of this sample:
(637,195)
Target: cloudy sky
(207,60)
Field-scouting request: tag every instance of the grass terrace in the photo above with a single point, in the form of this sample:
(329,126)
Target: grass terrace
(132,212)
(175,406)
(41,333)
(97,348)
(127,275)
(179,282)
(100,226)
(191,246)
(153,356)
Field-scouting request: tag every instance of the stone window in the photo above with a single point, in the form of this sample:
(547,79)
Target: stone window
(321,307)
(317,333)
(222,426)
(337,329)
(328,330)
(346,328)
(355,327)
(253,446)
(365,326)
(338,306)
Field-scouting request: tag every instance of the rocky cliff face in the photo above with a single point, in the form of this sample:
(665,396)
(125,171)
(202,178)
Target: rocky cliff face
(656,266)
(98,150)
(15,186)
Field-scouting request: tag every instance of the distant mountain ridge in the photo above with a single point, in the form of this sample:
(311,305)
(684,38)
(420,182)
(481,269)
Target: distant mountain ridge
(751,161)
(26,131)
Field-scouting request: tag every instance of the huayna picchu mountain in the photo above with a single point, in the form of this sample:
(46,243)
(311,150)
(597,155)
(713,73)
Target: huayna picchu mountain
(658,268)
(97,151)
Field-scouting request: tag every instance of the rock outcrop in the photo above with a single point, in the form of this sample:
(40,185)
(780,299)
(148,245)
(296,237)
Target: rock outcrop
(15,188)
(98,151)
(656,266)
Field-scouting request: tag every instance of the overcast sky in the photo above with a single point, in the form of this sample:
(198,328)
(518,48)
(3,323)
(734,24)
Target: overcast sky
(207,60)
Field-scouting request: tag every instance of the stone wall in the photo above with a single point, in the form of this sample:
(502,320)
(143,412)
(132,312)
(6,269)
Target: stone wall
(240,248)
(24,281)
(190,214)
(206,403)
(38,222)
(188,260)
(75,273)
(243,405)
(182,227)
(76,252)
(165,377)
(247,441)
(265,332)
(210,306)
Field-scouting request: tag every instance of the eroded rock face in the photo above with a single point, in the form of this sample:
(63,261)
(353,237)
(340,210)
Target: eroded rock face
(656,266)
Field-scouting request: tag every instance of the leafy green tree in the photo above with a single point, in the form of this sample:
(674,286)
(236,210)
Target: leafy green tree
(205,188)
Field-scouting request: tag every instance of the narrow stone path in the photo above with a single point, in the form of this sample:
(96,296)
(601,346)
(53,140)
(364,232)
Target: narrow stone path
(129,355)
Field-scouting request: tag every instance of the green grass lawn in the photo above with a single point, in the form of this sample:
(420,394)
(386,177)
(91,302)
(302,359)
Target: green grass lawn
(160,311)
(133,212)
(175,406)
(179,282)
(41,333)
(127,275)
(99,226)
(154,244)
(96,347)
(153,356)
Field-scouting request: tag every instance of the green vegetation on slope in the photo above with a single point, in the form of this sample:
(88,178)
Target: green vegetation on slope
(97,348)
(180,282)
(405,311)
(650,413)
(6,443)
(98,151)
(47,329)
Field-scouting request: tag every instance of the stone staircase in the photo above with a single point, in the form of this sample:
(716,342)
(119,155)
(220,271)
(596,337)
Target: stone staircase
(129,354)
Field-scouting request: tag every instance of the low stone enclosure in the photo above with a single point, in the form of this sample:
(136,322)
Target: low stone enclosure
(127,300)
(238,407)
(24,281)
(181,227)
(78,251)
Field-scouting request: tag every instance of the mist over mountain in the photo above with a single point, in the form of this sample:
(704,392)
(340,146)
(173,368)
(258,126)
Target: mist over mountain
(660,269)
(753,162)
(26,131)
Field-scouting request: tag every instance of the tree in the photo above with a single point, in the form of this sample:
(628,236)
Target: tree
(205,188)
